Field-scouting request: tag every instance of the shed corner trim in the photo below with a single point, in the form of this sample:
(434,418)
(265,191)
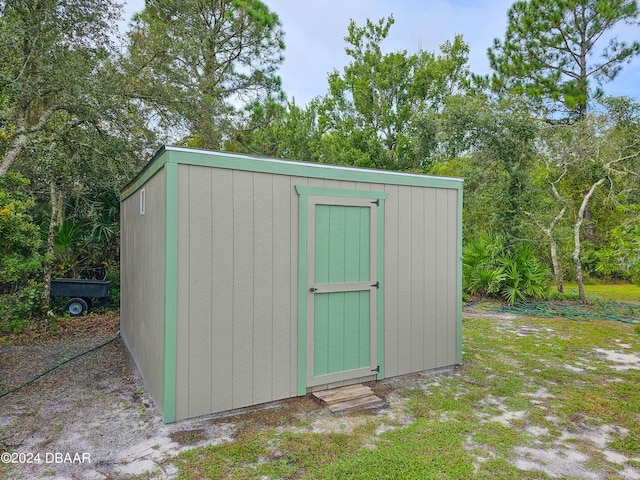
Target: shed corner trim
(170,293)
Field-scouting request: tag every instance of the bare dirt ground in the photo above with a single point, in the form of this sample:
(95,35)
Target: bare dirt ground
(93,418)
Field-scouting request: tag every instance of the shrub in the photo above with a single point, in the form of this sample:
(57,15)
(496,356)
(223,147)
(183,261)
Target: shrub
(481,273)
(515,275)
(524,276)
(18,307)
(20,259)
(621,256)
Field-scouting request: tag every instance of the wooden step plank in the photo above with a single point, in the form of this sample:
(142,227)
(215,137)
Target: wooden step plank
(353,404)
(347,398)
(321,394)
(344,396)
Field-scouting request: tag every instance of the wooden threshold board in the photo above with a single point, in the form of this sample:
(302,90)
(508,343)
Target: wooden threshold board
(343,399)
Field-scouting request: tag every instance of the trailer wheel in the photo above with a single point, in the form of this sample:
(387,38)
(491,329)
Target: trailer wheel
(88,302)
(76,307)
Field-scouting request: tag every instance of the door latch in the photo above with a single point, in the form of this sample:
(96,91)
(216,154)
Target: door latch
(377,369)
(313,289)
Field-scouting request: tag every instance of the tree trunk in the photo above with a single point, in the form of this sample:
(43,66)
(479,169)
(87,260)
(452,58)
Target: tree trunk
(589,231)
(576,239)
(12,155)
(22,137)
(557,273)
(578,266)
(553,246)
(53,221)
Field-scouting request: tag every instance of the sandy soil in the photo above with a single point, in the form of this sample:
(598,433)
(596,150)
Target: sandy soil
(93,419)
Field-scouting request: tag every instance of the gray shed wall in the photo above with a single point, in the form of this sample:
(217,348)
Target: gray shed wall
(420,279)
(237,320)
(237,274)
(142,281)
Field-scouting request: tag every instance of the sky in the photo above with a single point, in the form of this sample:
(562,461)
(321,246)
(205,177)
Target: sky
(315,31)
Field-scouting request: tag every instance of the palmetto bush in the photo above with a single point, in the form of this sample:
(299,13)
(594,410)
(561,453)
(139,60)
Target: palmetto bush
(488,269)
(481,273)
(524,276)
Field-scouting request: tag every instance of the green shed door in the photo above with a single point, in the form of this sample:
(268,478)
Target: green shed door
(341,289)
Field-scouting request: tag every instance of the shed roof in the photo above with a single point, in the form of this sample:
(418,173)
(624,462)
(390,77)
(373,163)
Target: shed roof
(209,158)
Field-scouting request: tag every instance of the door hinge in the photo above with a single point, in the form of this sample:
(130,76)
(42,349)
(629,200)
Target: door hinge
(376,201)
(377,369)
(377,285)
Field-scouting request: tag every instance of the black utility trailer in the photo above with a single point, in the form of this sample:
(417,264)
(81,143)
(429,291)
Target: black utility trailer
(83,292)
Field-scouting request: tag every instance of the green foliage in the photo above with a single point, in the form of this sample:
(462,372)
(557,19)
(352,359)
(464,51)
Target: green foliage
(493,144)
(621,255)
(87,246)
(20,259)
(550,50)
(18,307)
(50,69)
(194,64)
(379,110)
(281,131)
(524,275)
(490,270)
(481,272)
(19,235)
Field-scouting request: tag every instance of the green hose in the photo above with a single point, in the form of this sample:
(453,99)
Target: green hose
(29,382)
(614,311)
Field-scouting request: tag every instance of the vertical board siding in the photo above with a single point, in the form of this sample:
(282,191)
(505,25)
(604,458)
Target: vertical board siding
(199,298)
(340,343)
(142,281)
(420,279)
(222,290)
(243,244)
(282,303)
(442,273)
(237,308)
(263,264)
(238,286)
(392,276)
(342,320)
(404,286)
(419,317)
(342,244)
(183,324)
(431,278)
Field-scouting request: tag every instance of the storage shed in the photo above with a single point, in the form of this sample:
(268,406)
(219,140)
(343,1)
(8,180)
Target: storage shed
(247,280)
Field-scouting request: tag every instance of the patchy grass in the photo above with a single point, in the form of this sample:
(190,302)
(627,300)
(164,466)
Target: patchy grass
(536,398)
(616,292)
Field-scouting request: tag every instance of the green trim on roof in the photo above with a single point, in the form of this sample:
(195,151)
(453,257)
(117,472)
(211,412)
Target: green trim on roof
(145,174)
(284,167)
(170,292)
